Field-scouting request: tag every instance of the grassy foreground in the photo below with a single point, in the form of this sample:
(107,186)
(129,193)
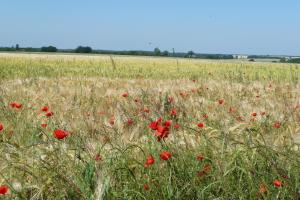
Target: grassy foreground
(100,127)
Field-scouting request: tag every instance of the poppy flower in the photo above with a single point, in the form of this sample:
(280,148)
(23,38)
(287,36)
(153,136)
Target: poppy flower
(45,109)
(206,168)
(200,157)
(130,122)
(125,94)
(170,99)
(49,114)
(176,126)
(162,132)
(60,134)
(262,113)
(173,112)
(262,188)
(200,173)
(165,155)
(146,110)
(3,189)
(277,125)
(111,121)
(221,101)
(146,187)
(231,110)
(1,127)
(44,125)
(16,105)
(205,116)
(168,123)
(201,125)
(154,125)
(98,157)
(254,114)
(277,183)
(150,161)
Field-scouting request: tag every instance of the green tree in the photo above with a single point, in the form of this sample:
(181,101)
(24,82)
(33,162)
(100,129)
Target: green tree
(157,51)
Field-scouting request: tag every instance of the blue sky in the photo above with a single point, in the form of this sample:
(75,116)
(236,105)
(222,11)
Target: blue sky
(205,26)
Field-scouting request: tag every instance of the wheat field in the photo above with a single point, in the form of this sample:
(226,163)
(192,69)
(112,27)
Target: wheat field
(123,127)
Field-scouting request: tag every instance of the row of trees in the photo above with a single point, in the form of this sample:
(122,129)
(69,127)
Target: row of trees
(87,49)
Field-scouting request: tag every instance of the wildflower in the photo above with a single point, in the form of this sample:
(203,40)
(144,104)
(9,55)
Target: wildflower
(146,110)
(3,189)
(200,157)
(49,114)
(254,114)
(277,183)
(111,121)
(146,187)
(262,188)
(206,168)
(262,113)
(1,127)
(130,122)
(221,101)
(45,109)
(16,105)
(153,125)
(98,157)
(277,125)
(125,94)
(162,132)
(170,99)
(176,126)
(173,112)
(44,125)
(201,125)
(150,161)
(168,123)
(205,116)
(165,155)
(60,134)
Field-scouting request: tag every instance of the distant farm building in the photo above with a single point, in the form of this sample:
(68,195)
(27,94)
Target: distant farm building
(238,56)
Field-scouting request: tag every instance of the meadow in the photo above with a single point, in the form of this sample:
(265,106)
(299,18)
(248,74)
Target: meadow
(121,127)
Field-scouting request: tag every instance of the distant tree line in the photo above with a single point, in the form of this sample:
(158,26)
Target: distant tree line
(155,52)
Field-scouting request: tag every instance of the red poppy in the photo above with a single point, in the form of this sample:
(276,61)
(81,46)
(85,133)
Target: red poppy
(49,114)
(162,132)
(45,109)
(150,161)
(153,125)
(262,188)
(205,116)
(173,112)
(3,189)
(262,113)
(170,99)
(111,121)
(98,157)
(200,173)
(125,94)
(254,114)
(176,126)
(130,122)
(221,101)
(44,125)
(1,127)
(60,134)
(146,187)
(277,183)
(165,155)
(231,110)
(146,110)
(168,123)
(277,125)
(206,168)
(201,125)
(200,157)
(16,105)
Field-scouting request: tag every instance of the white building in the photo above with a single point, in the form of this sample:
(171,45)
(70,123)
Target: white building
(239,56)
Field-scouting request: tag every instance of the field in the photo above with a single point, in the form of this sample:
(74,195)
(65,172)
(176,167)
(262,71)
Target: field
(120,127)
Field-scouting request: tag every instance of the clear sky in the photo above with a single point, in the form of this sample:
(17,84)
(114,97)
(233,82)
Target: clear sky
(204,26)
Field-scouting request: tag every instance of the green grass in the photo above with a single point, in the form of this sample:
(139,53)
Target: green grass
(244,152)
